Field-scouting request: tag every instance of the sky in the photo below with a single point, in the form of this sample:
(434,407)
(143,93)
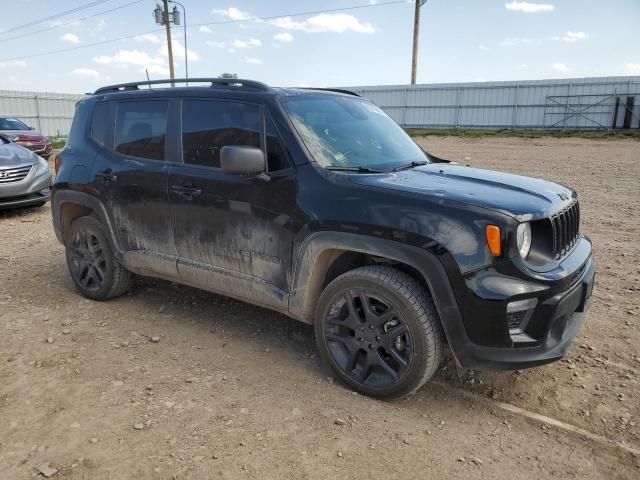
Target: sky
(316,43)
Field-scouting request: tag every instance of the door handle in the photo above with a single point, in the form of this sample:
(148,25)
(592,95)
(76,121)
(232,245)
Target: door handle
(107,176)
(186,192)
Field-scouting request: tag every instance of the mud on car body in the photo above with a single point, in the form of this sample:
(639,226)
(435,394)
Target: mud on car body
(316,204)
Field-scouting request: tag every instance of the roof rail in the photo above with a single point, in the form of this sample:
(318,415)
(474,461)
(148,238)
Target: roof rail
(337,90)
(215,82)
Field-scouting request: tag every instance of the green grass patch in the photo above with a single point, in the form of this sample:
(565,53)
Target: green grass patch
(482,132)
(58,143)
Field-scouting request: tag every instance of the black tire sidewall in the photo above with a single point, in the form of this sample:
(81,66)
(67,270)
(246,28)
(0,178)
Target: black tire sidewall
(94,227)
(421,344)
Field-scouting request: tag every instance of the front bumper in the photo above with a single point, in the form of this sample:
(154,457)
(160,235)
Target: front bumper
(32,190)
(43,149)
(566,312)
(479,332)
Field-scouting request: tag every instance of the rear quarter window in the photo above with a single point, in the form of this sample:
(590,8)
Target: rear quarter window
(100,123)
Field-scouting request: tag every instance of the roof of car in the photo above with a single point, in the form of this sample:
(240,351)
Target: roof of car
(217,84)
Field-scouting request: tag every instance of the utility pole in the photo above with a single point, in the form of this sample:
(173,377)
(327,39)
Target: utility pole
(416,31)
(163,17)
(167,24)
(176,20)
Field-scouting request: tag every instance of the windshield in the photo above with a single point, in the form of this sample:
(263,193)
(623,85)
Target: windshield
(350,132)
(12,124)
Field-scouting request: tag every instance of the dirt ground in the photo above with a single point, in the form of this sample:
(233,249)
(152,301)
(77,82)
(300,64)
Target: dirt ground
(233,391)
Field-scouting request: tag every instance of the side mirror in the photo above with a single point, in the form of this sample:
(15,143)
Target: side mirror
(242,160)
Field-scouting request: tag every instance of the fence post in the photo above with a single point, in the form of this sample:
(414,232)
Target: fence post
(459,94)
(404,108)
(515,107)
(566,106)
(35,98)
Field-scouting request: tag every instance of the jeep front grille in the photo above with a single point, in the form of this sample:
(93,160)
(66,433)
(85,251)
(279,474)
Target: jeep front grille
(565,226)
(15,174)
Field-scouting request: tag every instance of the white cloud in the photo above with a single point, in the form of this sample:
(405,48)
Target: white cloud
(515,41)
(178,51)
(205,29)
(148,37)
(252,60)
(233,13)
(85,72)
(158,69)
(560,67)
(88,73)
(632,68)
(252,42)
(129,57)
(13,64)
(101,25)
(70,37)
(572,37)
(215,44)
(483,47)
(283,37)
(325,22)
(528,7)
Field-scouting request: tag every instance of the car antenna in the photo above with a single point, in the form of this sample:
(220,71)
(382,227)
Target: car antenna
(146,70)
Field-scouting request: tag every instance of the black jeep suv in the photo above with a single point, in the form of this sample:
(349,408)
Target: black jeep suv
(316,204)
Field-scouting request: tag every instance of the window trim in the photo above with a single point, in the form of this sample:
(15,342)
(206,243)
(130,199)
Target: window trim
(166,133)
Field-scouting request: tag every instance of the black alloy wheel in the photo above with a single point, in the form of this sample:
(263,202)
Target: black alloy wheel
(87,260)
(91,260)
(379,330)
(368,338)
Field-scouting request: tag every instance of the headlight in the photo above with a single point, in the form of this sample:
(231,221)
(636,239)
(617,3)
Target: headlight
(523,236)
(43,166)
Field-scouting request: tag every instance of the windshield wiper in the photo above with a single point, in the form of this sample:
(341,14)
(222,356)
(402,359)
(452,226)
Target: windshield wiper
(410,165)
(357,169)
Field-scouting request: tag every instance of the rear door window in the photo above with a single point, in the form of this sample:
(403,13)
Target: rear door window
(209,125)
(141,129)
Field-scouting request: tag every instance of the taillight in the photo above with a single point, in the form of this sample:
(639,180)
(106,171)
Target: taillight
(57,163)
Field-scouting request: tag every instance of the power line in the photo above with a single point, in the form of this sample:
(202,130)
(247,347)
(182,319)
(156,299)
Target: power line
(71,22)
(126,37)
(273,17)
(57,15)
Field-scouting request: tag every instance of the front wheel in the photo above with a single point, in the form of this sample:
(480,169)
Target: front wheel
(379,330)
(92,263)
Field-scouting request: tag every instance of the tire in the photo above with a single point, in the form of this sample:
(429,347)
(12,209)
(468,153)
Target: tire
(376,320)
(92,263)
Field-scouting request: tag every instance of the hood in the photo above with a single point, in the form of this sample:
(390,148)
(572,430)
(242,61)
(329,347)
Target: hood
(12,155)
(524,198)
(26,135)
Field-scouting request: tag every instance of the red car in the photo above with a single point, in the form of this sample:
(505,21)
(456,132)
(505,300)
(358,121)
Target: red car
(24,135)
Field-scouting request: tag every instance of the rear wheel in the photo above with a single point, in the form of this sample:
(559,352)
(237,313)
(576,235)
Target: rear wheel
(92,263)
(379,330)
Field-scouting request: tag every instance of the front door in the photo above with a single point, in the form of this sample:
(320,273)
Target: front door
(233,234)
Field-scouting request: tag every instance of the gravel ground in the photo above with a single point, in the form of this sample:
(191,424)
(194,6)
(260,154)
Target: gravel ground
(235,391)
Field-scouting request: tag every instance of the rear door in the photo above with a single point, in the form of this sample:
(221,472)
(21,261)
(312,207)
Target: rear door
(132,170)
(232,233)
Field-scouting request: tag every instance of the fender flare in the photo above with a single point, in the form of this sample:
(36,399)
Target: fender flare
(321,247)
(61,197)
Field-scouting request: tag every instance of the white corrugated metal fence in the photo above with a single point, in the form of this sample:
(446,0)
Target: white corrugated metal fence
(579,103)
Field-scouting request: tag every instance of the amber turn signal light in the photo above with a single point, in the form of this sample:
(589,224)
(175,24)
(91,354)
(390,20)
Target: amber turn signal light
(493,239)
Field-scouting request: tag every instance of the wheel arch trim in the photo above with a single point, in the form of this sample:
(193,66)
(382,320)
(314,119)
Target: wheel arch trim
(60,198)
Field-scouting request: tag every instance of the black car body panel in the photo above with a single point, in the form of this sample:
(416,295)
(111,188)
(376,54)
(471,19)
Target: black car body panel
(276,239)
